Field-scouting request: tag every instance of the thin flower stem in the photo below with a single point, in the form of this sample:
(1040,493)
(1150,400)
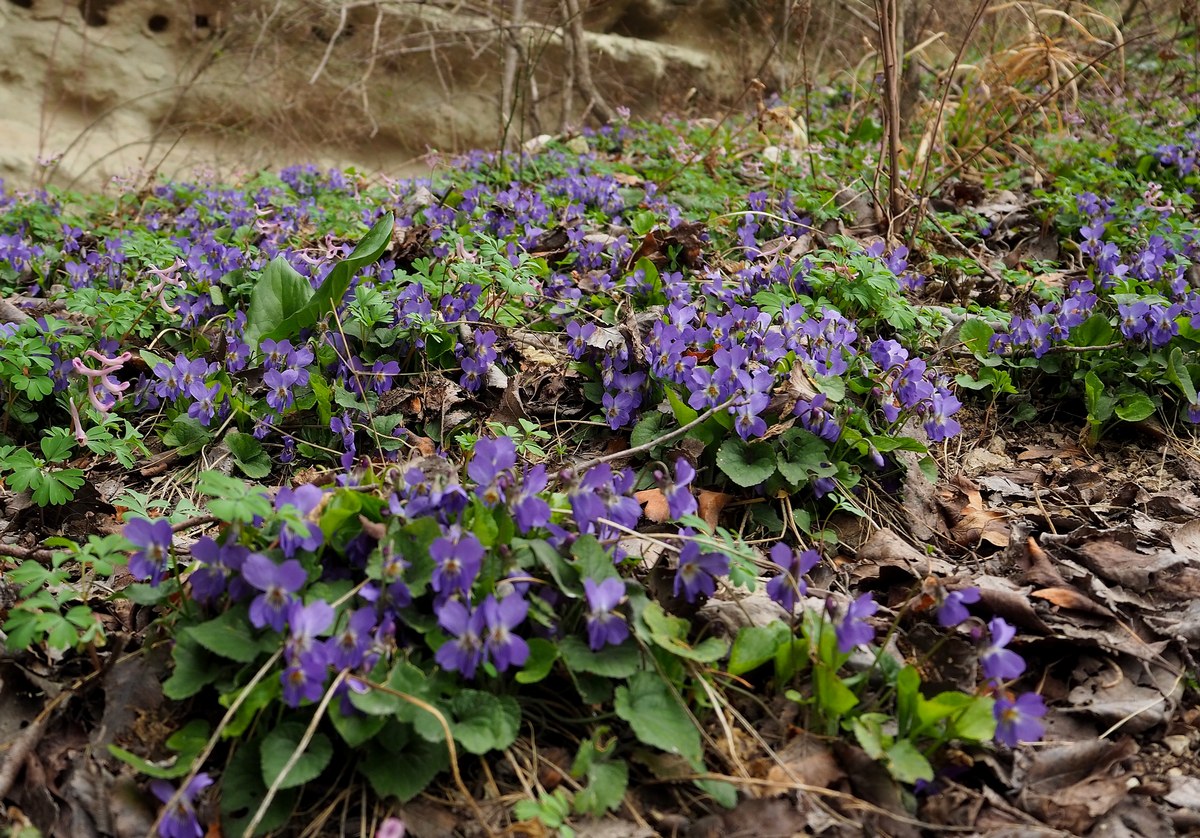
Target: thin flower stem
(641,449)
(301,747)
(200,759)
(441,720)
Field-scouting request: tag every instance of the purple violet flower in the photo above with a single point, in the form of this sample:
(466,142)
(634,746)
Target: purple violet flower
(464,651)
(490,463)
(854,630)
(153,539)
(530,511)
(457,557)
(500,617)
(999,663)
(1017,721)
(605,627)
(181,821)
(277,582)
(348,647)
(680,500)
(306,534)
(953,609)
(789,586)
(697,571)
(279,388)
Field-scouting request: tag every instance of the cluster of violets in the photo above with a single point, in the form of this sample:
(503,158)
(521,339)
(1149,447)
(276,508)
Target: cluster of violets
(711,344)
(1150,318)
(487,628)
(1182,157)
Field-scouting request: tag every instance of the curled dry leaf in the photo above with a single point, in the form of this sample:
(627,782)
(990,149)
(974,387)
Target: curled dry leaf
(1066,597)
(1039,569)
(709,505)
(654,505)
(971,522)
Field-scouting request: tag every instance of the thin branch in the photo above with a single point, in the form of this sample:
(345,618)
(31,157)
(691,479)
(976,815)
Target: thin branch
(329,46)
(583,69)
(639,449)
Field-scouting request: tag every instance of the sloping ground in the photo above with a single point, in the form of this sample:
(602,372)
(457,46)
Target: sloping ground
(105,88)
(634,485)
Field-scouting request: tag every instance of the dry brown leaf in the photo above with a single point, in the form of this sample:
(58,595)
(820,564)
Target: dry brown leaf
(709,505)
(886,549)
(971,522)
(655,506)
(1039,569)
(807,760)
(1065,597)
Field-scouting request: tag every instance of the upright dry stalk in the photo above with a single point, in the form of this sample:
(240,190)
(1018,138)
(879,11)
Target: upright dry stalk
(583,68)
(887,19)
(512,60)
(932,132)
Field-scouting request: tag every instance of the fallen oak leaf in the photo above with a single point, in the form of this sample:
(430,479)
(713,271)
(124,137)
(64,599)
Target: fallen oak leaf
(709,505)
(1070,598)
(970,521)
(654,503)
(1039,570)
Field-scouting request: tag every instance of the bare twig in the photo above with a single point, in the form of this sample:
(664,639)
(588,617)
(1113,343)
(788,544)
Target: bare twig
(889,51)
(639,449)
(337,32)
(27,740)
(583,68)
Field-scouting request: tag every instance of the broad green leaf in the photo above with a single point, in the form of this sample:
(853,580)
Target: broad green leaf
(228,635)
(260,697)
(592,561)
(657,718)
(355,729)
(405,679)
(834,698)
(481,721)
(976,722)
(648,429)
(724,793)
(278,747)
(670,633)
(746,464)
(906,763)
(329,295)
(249,455)
(542,655)
(1099,404)
(1179,375)
(976,334)
(756,645)
(187,436)
(281,292)
(868,731)
(405,772)
(611,661)
(187,742)
(929,468)
(803,456)
(607,781)
(1095,331)
(886,444)
(193,671)
(684,413)
(242,790)
(1134,407)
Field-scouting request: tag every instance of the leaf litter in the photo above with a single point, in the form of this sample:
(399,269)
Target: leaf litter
(1091,552)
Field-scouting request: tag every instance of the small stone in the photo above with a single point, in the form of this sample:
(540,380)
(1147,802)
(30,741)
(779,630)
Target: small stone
(1176,744)
(1175,772)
